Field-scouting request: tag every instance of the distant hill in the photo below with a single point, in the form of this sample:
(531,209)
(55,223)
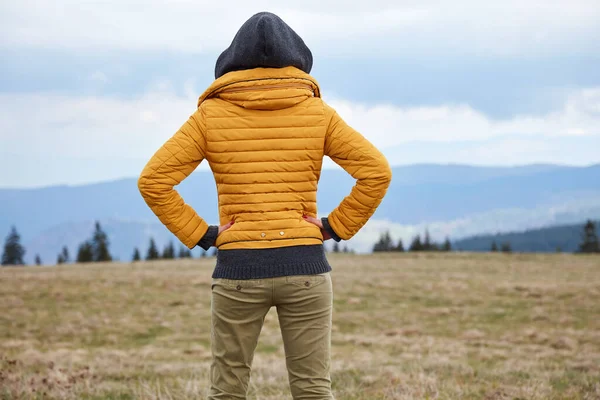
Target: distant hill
(450,200)
(564,238)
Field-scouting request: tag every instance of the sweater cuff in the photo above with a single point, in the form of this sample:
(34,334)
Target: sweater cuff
(327,227)
(209,238)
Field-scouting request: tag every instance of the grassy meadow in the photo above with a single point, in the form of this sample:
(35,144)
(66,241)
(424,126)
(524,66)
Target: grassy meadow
(406,326)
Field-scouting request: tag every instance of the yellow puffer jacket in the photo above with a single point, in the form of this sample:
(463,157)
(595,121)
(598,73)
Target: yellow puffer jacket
(264,132)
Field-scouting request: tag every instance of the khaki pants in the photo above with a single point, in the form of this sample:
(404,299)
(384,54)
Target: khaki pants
(304,308)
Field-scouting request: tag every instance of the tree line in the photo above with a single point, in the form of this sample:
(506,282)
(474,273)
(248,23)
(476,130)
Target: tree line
(387,244)
(97,248)
(589,243)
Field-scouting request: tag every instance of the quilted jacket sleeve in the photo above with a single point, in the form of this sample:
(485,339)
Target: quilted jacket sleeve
(170,165)
(366,164)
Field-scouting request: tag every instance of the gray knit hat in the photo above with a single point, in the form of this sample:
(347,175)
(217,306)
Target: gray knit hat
(264,41)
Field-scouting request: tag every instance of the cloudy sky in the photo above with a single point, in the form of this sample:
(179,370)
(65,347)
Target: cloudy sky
(90,89)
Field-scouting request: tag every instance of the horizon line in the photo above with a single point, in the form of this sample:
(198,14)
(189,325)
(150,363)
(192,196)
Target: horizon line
(325,168)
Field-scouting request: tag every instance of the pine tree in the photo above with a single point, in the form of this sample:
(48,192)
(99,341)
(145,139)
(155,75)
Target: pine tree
(336,247)
(85,253)
(416,244)
(184,252)
(427,245)
(494,247)
(169,252)
(589,237)
(13,250)
(384,243)
(346,249)
(505,248)
(400,246)
(152,251)
(65,255)
(100,245)
(59,259)
(38,260)
(136,255)
(447,246)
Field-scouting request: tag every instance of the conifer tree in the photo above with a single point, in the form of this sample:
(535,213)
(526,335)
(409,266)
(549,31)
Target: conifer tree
(38,260)
(384,243)
(169,252)
(85,253)
(336,247)
(136,255)
(494,247)
(447,246)
(589,239)
(152,251)
(427,244)
(416,244)
(400,246)
(100,245)
(65,255)
(184,252)
(14,252)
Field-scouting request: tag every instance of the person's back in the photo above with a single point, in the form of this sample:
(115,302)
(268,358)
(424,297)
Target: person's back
(264,130)
(265,135)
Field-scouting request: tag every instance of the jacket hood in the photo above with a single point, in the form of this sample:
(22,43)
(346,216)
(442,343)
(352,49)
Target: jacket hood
(264,41)
(263,88)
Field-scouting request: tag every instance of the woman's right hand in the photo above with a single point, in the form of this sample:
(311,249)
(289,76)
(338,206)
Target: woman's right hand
(223,228)
(318,223)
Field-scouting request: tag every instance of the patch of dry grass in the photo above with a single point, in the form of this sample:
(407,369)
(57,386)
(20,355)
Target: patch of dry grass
(428,326)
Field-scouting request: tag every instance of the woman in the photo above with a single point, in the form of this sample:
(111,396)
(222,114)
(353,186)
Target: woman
(264,131)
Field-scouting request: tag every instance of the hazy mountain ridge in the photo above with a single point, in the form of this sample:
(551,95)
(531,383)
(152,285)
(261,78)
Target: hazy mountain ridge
(563,238)
(452,200)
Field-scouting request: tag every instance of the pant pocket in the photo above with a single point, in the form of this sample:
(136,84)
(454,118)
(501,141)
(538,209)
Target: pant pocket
(240,284)
(306,281)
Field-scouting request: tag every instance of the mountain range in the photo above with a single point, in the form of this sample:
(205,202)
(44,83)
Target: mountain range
(448,200)
(560,238)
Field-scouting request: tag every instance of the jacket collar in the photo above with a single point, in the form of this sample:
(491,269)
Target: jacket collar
(260,76)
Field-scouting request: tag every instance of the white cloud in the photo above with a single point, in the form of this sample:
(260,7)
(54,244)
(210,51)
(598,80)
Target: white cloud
(389,126)
(509,27)
(96,127)
(34,126)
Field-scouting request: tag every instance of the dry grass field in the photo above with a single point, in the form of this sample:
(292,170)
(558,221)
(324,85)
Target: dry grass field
(427,326)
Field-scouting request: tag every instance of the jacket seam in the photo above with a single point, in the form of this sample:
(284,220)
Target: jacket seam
(268,202)
(304,116)
(262,162)
(269,240)
(269,183)
(261,139)
(259,151)
(265,172)
(272,192)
